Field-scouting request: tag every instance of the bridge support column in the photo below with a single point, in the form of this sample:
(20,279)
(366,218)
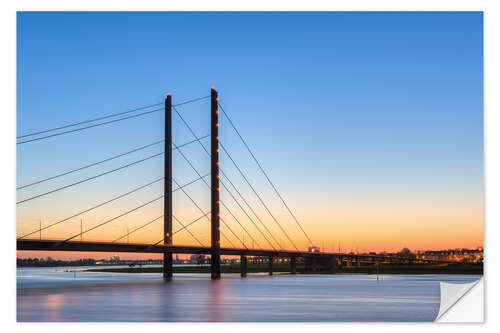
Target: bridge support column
(243,263)
(293,265)
(214,168)
(332,263)
(167,190)
(270,265)
(314,262)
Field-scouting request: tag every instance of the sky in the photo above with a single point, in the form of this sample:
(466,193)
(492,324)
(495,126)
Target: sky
(369,124)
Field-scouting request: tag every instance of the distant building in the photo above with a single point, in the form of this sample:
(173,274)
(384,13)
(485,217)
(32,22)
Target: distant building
(456,255)
(314,249)
(198,259)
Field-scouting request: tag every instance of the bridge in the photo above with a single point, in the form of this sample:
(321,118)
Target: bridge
(165,244)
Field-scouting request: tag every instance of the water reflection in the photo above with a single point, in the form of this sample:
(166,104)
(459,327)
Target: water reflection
(49,295)
(217,301)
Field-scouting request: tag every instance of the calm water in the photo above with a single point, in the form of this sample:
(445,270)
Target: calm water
(53,294)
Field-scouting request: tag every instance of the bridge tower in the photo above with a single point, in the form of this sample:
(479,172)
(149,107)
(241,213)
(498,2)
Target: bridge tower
(167,190)
(214,169)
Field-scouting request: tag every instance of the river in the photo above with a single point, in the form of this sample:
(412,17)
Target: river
(61,294)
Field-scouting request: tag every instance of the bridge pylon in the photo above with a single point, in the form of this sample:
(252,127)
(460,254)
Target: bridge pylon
(167,190)
(215,190)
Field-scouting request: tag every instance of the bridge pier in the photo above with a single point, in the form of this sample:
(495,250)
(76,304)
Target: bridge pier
(270,265)
(293,265)
(167,266)
(243,263)
(314,263)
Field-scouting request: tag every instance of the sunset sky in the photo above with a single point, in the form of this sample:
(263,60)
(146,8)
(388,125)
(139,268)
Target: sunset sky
(369,124)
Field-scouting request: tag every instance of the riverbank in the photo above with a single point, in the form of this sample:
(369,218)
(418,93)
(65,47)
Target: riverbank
(284,268)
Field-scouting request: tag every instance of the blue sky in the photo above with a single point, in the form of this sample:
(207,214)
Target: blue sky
(337,106)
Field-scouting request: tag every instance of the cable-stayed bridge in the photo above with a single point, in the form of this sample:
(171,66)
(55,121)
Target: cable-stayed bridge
(253,237)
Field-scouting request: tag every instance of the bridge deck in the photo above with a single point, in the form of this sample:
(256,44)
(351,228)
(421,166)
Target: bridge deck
(57,245)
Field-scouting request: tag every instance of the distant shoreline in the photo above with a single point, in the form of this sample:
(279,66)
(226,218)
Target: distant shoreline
(285,268)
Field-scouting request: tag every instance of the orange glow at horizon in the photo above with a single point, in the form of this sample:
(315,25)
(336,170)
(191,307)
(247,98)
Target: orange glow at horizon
(370,219)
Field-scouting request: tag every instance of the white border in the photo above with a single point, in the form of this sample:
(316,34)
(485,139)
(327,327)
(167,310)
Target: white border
(7,133)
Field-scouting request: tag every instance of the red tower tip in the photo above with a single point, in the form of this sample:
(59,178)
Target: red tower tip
(169,94)
(213,88)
